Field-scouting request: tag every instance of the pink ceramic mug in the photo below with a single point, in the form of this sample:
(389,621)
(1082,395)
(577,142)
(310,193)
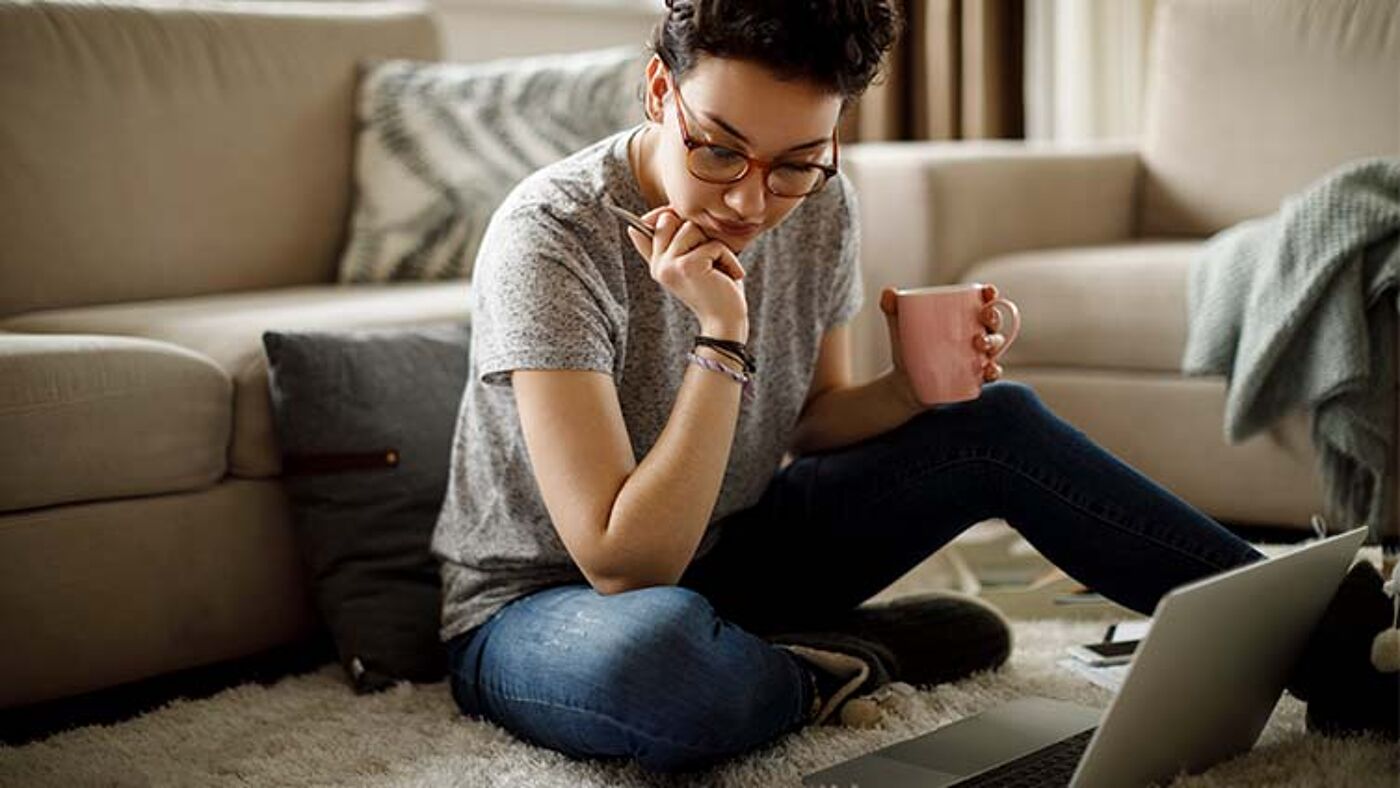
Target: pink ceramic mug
(938,339)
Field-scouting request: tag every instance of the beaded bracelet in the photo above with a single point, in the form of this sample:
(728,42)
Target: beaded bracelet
(735,350)
(715,366)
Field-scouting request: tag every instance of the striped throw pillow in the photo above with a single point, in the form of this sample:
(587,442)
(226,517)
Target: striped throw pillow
(440,145)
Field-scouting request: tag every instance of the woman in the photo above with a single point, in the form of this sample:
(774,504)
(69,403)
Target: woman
(628,571)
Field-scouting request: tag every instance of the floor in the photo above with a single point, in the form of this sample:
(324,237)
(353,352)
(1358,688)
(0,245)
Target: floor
(31,723)
(989,560)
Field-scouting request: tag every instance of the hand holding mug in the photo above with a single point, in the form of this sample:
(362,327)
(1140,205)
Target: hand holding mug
(946,341)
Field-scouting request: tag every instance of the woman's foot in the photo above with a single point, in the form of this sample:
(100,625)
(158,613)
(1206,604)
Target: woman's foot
(928,638)
(920,639)
(850,678)
(1346,693)
(935,637)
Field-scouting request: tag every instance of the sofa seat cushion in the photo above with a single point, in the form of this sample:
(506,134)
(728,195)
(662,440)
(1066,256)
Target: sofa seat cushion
(228,329)
(108,592)
(96,417)
(1119,306)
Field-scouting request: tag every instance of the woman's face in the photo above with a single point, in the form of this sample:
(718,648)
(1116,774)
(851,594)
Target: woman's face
(740,105)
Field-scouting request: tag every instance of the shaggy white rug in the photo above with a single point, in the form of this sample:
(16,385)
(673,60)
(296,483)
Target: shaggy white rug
(312,730)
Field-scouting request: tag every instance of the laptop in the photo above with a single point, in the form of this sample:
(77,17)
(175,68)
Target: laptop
(1200,690)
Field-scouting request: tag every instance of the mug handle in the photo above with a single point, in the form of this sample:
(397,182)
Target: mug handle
(1015,324)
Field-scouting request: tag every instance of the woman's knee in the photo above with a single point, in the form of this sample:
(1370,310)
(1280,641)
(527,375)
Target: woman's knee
(709,690)
(1002,405)
(1010,396)
(653,674)
(657,618)
(674,633)
(1009,407)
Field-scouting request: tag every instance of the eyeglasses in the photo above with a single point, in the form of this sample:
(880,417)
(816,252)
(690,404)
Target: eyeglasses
(719,164)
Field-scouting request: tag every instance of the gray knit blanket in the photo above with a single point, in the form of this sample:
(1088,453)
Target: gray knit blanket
(1299,309)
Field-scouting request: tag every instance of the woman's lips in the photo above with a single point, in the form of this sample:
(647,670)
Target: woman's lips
(729,228)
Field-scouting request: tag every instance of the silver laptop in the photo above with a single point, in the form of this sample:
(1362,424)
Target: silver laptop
(1199,691)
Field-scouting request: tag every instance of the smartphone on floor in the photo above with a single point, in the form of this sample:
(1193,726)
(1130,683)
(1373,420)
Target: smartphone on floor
(1117,652)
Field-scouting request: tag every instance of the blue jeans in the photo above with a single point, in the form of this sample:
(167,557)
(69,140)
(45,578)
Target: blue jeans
(679,677)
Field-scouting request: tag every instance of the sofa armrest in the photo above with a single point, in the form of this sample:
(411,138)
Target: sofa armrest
(929,210)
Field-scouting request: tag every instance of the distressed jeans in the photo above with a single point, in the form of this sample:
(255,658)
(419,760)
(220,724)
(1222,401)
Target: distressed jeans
(680,677)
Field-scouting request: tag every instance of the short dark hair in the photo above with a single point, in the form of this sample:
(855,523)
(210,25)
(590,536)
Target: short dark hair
(837,45)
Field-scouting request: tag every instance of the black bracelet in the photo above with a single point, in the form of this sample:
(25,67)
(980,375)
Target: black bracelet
(731,355)
(726,344)
(738,351)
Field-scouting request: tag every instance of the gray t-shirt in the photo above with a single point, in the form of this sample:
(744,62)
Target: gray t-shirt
(558,285)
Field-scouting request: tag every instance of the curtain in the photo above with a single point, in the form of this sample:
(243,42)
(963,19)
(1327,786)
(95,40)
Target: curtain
(1086,68)
(956,73)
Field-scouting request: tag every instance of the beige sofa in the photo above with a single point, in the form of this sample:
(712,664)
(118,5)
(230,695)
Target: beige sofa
(176,179)
(1249,101)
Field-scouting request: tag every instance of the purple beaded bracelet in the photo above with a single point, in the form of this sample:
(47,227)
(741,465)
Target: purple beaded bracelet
(739,377)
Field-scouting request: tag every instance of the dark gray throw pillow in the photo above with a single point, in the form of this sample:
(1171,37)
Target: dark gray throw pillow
(365,420)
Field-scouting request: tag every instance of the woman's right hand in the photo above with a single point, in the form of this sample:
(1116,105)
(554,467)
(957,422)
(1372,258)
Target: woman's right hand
(704,274)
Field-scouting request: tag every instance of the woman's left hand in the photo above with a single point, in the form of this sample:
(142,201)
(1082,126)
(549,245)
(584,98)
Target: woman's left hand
(988,344)
(993,340)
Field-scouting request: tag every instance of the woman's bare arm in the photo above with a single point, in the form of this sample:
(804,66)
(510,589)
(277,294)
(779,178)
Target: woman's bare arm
(627,525)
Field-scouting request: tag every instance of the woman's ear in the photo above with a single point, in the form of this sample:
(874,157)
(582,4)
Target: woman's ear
(655,89)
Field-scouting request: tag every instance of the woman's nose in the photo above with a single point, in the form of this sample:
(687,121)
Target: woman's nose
(747,197)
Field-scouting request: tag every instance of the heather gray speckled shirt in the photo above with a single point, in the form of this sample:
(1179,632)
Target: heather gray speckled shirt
(558,285)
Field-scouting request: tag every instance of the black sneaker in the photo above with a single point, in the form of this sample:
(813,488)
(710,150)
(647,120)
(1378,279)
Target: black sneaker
(1346,694)
(934,637)
(851,677)
(920,639)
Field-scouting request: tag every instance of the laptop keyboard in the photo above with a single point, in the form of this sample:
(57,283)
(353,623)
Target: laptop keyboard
(1053,765)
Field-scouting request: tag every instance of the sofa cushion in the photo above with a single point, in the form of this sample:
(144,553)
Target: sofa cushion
(1168,427)
(440,146)
(1120,306)
(96,417)
(1252,100)
(365,422)
(228,329)
(170,149)
(107,592)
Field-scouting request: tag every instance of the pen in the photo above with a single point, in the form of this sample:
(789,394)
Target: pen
(632,219)
(636,221)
